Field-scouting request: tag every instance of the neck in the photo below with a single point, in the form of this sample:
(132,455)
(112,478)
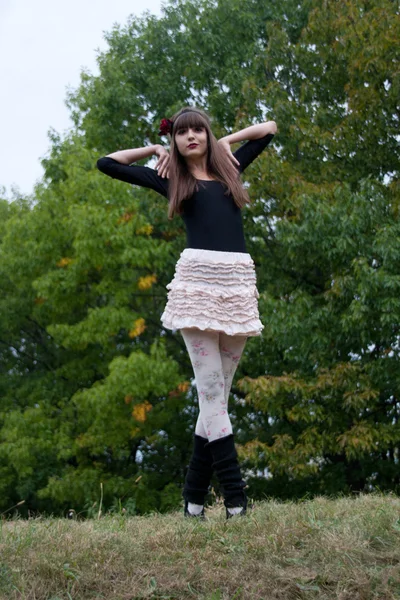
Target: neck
(197,167)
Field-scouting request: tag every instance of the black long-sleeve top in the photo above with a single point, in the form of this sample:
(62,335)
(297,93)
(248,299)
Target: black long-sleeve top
(213,221)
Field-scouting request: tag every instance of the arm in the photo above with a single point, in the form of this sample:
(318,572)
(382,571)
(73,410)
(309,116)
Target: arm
(254,132)
(127,157)
(258,137)
(117,165)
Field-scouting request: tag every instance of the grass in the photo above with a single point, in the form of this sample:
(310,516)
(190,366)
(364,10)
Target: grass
(347,549)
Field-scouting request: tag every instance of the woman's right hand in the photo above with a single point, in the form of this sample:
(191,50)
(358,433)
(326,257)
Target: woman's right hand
(162,166)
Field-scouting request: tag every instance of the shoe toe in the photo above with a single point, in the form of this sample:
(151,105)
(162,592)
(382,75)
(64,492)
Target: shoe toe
(242,513)
(186,513)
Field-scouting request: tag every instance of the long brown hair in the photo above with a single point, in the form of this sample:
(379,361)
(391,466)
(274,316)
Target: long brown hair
(182,184)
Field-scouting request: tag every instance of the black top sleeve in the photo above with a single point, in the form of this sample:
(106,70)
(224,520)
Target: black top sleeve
(250,150)
(135,174)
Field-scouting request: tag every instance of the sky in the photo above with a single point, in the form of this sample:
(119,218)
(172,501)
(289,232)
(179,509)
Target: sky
(44,46)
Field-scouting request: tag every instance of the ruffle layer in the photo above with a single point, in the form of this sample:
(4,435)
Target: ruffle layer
(194,276)
(179,299)
(230,271)
(229,290)
(223,268)
(254,328)
(215,276)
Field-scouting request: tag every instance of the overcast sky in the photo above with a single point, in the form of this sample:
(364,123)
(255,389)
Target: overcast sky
(44,45)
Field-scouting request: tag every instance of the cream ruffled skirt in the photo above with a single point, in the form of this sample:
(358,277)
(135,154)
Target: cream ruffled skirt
(213,291)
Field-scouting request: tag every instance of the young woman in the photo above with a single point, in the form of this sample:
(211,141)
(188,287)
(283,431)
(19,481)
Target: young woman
(212,298)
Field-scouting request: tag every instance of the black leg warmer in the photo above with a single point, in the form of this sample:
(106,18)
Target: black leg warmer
(199,472)
(227,470)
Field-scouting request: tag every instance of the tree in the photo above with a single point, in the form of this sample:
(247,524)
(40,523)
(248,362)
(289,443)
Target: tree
(94,390)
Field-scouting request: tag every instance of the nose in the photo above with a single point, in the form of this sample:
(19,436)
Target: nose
(190,134)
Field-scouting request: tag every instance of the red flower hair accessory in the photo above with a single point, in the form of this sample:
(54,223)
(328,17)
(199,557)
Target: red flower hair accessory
(165,126)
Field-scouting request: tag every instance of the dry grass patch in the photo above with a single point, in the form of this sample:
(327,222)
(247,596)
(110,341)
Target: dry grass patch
(345,549)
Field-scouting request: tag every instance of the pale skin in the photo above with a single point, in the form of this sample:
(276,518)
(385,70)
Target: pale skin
(196,157)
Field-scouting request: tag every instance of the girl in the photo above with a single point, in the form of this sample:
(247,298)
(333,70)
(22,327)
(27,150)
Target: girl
(212,298)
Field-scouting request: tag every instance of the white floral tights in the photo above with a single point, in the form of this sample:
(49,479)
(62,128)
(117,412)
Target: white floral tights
(214,356)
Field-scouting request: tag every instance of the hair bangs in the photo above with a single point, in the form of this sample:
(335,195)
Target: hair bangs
(189,119)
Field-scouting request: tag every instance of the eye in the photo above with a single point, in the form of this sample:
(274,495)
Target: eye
(199,128)
(181,131)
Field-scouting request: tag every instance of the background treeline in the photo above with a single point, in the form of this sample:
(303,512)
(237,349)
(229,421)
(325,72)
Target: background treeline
(93,389)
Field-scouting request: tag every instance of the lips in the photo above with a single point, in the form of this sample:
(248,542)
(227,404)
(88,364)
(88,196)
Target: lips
(192,145)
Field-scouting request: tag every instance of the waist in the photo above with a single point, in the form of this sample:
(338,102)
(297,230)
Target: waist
(222,256)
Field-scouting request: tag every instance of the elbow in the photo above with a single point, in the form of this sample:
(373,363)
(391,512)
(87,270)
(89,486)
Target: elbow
(273,128)
(267,128)
(101,164)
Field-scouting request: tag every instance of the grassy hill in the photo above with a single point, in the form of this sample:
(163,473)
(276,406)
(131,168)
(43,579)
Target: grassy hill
(347,549)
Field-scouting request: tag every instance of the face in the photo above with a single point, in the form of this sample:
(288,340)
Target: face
(191,141)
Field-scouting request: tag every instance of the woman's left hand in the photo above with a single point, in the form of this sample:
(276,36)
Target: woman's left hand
(227,150)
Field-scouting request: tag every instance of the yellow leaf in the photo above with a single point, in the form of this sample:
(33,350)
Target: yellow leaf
(145,230)
(184,386)
(140,410)
(126,217)
(138,328)
(144,283)
(181,388)
(64,262)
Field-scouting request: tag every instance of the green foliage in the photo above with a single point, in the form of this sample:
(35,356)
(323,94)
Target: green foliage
(95,393)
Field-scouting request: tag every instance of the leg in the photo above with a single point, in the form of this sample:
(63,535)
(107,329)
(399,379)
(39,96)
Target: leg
(198,477)
(204,352)
(231,349)
(207,367)
(227,468)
